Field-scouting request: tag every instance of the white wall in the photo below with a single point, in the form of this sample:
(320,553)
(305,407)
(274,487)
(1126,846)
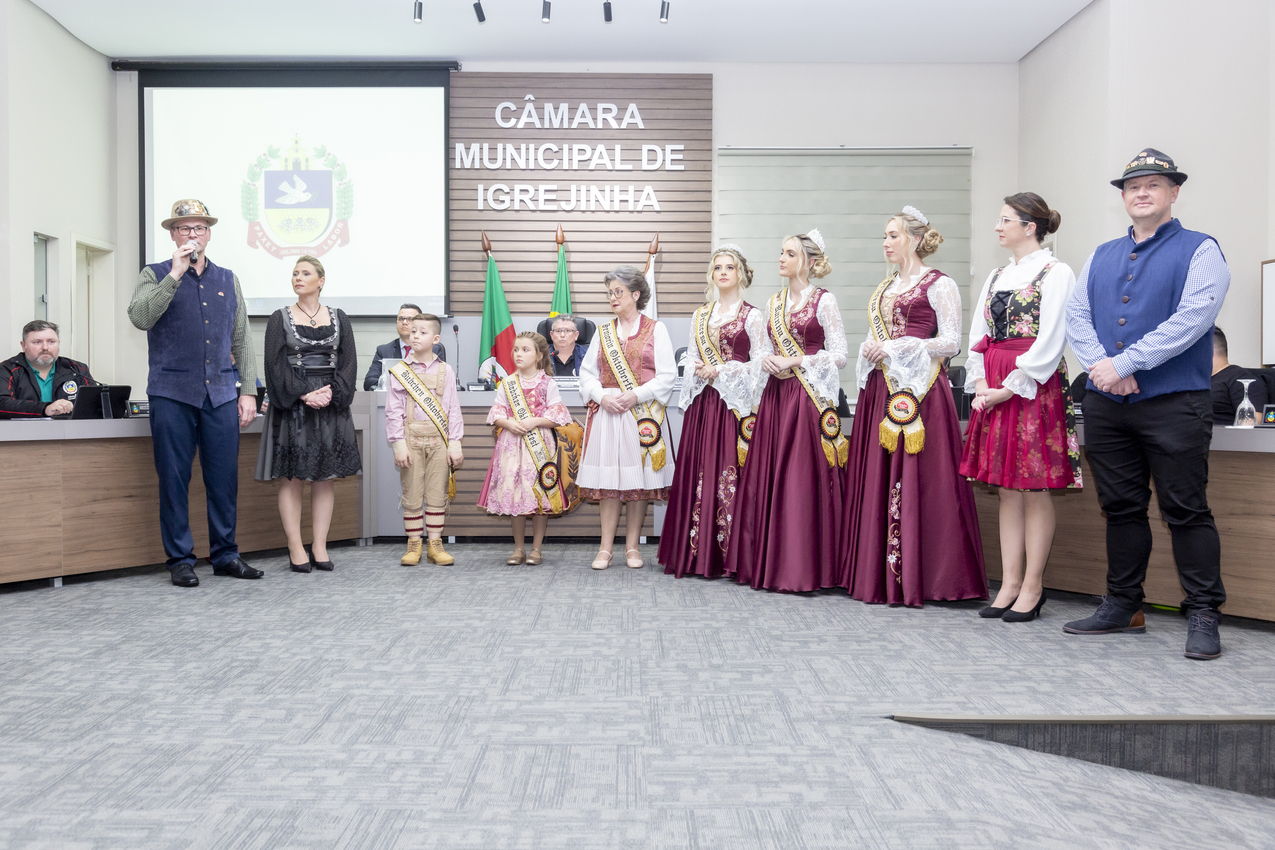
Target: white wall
(58,148)
(1194,80)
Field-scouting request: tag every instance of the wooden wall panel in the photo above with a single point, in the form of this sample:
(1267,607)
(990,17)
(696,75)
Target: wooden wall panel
(675,109)
(466,519)
(1241,491)
(32,527)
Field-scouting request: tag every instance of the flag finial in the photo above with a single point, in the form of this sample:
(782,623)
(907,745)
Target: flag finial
(486,242)
(559,237)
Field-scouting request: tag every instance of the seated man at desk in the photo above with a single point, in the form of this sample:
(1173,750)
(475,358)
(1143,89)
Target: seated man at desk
(37,382)
(567,352)
(397,349)
(1226,390)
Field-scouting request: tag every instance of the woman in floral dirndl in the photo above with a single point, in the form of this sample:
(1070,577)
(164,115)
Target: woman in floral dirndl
(719,395)
(788,526)
(913,527)
(1022,432)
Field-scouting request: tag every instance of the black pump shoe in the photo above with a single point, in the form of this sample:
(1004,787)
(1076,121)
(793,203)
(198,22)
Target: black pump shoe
(300,568)
(326,566)
(991,612)
(1012,616)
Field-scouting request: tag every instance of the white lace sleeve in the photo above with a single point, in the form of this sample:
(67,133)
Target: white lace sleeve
(974,370)
(863,367)
(1038,363)
(821,368)
(692,384)
(737,382)
(908,359)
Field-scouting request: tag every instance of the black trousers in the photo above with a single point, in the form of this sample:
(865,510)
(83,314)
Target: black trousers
(1163,439)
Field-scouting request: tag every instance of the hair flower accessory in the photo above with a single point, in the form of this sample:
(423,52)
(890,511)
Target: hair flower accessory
(817,238)
(916,214)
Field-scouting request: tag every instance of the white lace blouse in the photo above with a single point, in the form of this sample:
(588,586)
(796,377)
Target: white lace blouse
(1035,365)
(736,381)
(909,359)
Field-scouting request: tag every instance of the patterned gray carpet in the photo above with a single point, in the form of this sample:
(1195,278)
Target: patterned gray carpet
(485,706)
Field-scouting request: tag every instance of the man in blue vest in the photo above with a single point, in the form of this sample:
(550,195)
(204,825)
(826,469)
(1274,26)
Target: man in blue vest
(1141,321)
(197,331)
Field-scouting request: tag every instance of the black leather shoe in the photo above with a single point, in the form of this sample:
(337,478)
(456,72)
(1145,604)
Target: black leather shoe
(299,568)
(1012,616)
(184,575)
(238,569)
(1202,640)
(991,612)
(1108,619)
(326,566)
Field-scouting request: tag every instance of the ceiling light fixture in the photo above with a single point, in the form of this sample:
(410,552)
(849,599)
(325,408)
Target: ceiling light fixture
(606,11)
(418,11)
(664,11)
(544,12)
(478,10)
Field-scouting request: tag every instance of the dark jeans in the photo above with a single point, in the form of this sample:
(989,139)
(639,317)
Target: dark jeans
(1165,439)
(176,430)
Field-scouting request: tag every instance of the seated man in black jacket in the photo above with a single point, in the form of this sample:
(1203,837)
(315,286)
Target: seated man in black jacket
(397,349)
(1227,391)
(37,382)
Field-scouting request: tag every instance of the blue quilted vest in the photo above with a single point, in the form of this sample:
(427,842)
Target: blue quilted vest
(1133,287)
(190,344)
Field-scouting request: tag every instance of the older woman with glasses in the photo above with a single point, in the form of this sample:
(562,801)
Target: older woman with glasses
(568,353)
(627,378)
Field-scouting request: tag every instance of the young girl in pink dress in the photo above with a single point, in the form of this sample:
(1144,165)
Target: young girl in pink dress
(522,479)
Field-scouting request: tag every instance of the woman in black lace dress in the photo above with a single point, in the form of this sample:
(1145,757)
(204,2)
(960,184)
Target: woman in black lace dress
(308,434)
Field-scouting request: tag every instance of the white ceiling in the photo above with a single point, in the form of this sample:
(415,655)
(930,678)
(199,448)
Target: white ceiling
(698,30)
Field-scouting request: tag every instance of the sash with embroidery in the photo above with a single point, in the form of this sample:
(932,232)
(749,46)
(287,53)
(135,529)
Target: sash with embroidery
(903,407)
(836,448)
(428,403)
(650,425)
(548,487)
(712,356)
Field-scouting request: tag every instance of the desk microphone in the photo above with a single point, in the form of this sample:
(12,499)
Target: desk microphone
(460,385)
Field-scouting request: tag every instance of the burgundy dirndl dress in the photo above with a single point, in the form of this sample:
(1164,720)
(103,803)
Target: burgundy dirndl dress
(702,501)
(787,535)
(912,525)
(1021,444)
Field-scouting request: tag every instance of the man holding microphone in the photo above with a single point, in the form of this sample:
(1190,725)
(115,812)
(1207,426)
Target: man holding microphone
(197,332)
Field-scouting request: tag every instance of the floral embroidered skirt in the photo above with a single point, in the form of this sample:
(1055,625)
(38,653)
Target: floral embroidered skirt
(788,526)
(702,501)
(912,525)
(1023,444)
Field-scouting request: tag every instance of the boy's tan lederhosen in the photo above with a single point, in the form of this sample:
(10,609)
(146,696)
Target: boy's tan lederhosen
(425,481)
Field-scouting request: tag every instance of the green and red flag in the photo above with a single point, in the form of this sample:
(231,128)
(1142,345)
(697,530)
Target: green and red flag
(498,325)
(561,287)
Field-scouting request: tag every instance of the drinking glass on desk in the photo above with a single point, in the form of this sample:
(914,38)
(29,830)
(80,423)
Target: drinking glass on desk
(1246,414)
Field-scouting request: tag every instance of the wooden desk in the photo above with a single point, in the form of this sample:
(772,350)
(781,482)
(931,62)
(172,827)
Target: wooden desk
(1241,496)
(83,496)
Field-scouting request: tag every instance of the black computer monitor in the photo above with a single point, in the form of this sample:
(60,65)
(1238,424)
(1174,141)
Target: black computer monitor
(89,402)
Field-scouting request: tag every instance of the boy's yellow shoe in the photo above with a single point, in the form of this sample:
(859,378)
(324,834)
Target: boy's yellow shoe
(437,555)
(412,556)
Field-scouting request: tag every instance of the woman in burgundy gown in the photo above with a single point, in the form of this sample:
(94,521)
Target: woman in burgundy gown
(787,532)
(1022,434)
(719,397)
(912,526)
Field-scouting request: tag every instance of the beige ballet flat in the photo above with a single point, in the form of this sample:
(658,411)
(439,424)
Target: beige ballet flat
(602,560)
(633,559)
(534,558)
(517,557)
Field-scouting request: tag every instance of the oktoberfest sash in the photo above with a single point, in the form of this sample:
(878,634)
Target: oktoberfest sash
(649,415)
(712,356)
(903,407)
(420,394)
(547,487)
(836,448)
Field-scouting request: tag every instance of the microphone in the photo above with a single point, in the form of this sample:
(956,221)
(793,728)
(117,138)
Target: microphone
(193,256)
(460,385)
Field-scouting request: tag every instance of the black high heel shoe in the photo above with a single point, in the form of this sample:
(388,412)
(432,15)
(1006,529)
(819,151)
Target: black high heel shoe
(1025,616)
(299,568)
(326,566)
(991,612)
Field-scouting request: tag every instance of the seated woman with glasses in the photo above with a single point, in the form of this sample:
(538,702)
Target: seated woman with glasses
(567,353)
(399,348)
(626,379)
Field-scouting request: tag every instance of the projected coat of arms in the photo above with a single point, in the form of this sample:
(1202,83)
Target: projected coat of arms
(308,199)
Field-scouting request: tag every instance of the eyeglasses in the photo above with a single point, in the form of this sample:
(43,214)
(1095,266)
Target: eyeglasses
(192,229)
(402,320)
(1002,221)
(618,293)
(564,330)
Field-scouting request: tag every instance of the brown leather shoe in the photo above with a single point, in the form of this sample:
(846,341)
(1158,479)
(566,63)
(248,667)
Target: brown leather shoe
(412,556)
(436,554)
